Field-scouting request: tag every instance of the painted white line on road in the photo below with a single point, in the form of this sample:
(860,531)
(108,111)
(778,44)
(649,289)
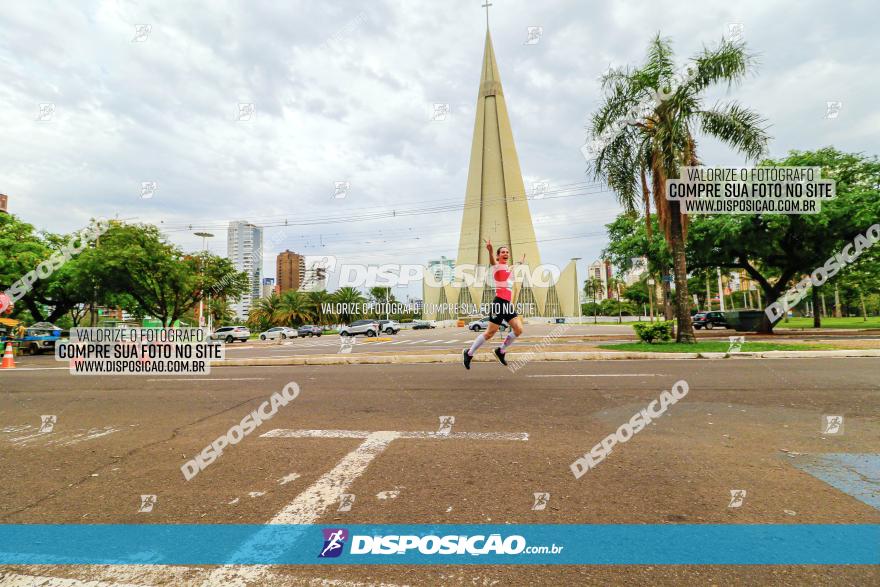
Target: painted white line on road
(288,478)
(601,375)
(213,379)
(308,506)
(282,433)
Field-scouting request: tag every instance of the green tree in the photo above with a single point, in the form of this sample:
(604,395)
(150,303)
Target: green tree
(160,280)
(264,312)
(592,289)
(352,299)
(778,249)
(317,301)
(658,140)
(294,309)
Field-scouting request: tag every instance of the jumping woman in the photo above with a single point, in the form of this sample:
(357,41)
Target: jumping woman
(501,310)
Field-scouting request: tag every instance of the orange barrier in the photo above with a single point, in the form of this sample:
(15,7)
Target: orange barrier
(8,359)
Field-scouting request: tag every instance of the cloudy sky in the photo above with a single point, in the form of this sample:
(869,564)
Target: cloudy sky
(135,92)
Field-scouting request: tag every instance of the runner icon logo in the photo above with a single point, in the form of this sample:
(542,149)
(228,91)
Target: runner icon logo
(832,424)
(737,497)
(147,503)
(346,500)
(541,500)
(47,423)
(736,343)
(446,423)
(334,541)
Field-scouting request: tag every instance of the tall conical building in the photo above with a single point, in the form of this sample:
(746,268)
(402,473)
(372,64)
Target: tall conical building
(496,208)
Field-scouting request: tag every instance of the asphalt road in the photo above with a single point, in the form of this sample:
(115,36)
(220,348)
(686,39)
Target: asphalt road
(745,424)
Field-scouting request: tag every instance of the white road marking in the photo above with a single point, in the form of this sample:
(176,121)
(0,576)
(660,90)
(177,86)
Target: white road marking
(391,494)
(288,478)
(602,375)
(314,501)
(256,493)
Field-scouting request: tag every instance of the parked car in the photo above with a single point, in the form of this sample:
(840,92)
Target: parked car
(423,325)
(40,338)
(483,324)
(310,330)
(367,327)
(279,332)
(232,333)
(710,320)
(389,326)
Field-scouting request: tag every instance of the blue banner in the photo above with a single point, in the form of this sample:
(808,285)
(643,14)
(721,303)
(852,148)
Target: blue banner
(420,544)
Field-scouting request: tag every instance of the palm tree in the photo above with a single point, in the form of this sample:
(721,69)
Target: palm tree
(220,311)
(592,288)
(264,311)
(316,301)
(352,298)
(294,309)
(659,139)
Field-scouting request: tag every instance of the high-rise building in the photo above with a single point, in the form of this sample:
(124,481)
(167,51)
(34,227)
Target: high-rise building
(244,246)
(316,273)
(442,269)
(601,270)
(268,287)
(496,207)
(290,271)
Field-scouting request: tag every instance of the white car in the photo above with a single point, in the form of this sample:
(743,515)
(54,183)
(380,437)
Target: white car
(483,324)
(279,332)
(232,333)
(368,327)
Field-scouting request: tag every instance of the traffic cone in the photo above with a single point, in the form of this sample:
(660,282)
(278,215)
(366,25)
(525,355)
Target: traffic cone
(8,359)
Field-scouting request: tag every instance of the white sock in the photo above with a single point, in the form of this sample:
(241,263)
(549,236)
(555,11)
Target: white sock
(478,342)
(508,340)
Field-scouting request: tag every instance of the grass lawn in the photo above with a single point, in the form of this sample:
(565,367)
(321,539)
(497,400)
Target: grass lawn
(712,346)
(857,322)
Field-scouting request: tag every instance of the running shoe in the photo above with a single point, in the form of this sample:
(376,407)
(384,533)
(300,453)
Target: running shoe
(500,356)
(467,359)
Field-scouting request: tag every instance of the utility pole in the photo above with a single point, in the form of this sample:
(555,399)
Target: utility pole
(720,290)
(650,283)
(577,291)
(205,236)
(708,295)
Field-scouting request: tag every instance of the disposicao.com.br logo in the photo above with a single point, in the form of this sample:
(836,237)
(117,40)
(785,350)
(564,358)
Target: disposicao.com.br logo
(450,544)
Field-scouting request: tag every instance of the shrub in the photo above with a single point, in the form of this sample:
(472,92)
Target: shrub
(649,332)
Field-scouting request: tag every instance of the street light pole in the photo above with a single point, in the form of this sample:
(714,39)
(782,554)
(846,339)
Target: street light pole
(577,291)
(651,296)
(205,236)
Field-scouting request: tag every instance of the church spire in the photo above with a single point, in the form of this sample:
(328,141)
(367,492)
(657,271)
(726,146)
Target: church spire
(495,200)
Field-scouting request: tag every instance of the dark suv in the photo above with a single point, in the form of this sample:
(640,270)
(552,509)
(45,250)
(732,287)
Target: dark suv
(710,320)
(309,330)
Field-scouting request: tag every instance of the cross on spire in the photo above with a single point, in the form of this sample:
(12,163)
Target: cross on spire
(486,6)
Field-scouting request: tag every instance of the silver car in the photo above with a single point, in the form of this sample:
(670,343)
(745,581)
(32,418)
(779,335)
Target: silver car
(232,333)
(367,327)
(279,332)
(483,324)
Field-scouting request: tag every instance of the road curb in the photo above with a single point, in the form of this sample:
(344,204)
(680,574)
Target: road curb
(514,357)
